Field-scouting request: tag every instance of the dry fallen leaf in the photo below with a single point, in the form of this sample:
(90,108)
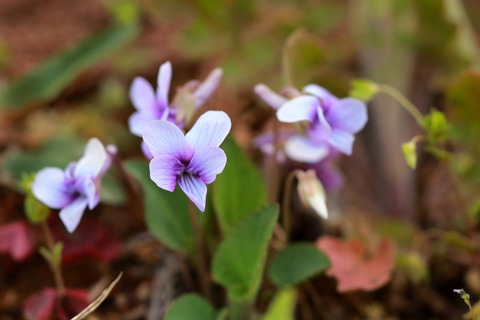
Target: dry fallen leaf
(354,267)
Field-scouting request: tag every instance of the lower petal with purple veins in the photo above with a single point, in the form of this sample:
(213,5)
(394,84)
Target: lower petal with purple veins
(207,162)
(194,188)
(164,171)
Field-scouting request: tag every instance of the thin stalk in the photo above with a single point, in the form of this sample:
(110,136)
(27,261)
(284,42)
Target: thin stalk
(239,310)
(56,268)
(286,203)
(404,102)
(200,253)
(273,168)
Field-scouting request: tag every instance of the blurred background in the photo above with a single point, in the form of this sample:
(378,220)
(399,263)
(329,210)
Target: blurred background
(66,68)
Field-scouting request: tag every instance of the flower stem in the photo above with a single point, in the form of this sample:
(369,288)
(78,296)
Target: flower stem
(200,253)
(404,102)
(286,203)
(55,267)
(239,310)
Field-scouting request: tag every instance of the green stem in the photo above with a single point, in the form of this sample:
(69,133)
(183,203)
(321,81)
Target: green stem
(286,203)
(239,310)
(56,268)
(200,253)
(404,102)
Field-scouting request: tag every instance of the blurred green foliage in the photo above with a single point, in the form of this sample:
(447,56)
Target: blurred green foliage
(190,306)
(167,216)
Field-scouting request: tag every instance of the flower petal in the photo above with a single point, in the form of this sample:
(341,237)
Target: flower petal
(138,121)
(348,114)
(206,88)
(194,188)
(342,141)
(164,170)
(72,214)
(298,109)
(142,95)
(320,92)
(93,159)
(52,188)
(303,149)
(165,138)
(207,163)
(146,151)
(89,189)
(270,97)
(210,130)
(163,83)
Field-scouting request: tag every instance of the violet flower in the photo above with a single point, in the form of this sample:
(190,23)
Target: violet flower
(192,160)
(154,105)
(77,187)
(333,121)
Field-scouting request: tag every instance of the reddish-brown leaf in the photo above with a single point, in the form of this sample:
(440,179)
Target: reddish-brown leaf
(354,267)
(16,239)
(89,239)
(46,304)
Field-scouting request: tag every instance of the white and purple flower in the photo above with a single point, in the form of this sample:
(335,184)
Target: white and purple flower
(333,121)
(192,160)
(154,105)
(77,187)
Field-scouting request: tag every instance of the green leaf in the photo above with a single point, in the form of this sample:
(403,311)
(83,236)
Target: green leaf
(166,212)
(282,305)
(190,306)
(296,263)
(52,76)
(363,89)
(239,261)
(57,152)
(239,189)
(409,151)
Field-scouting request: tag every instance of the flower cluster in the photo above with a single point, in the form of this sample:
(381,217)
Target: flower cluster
(328,125)
(77,187)
(192,160)
(154,104)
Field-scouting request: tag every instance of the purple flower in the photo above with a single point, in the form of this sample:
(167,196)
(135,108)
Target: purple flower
(192,160)
(77,187)
(333,121)
(154,105)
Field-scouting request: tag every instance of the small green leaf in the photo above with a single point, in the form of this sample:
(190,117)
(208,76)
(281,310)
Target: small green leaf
(239,189)
(410,153)
(166,212)
(363,89)
(436,125)
(239,261)
(36,211)
(297,263)
(52,76)
(282,305)
(190,306)
(57,254)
